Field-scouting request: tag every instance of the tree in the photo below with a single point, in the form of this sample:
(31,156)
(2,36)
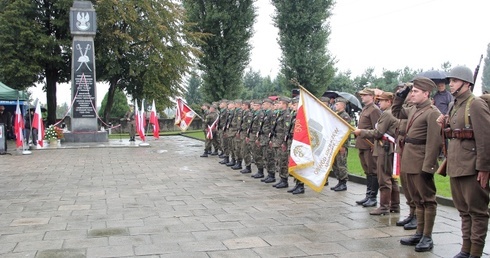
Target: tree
(341,82)
(120,105)
(226,49)
(61,110)
(193,94)
(143,47)
(252,82)
(303,38)
(35,43)
(486,72)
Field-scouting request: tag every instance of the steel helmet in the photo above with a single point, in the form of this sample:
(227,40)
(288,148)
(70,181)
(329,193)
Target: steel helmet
(461,72)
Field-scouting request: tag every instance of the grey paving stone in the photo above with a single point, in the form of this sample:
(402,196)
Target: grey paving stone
(245,242)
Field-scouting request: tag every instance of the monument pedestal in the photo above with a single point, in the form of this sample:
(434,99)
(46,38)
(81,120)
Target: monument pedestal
(98,136)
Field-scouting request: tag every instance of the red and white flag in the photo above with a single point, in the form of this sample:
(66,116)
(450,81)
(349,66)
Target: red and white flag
(140,119)
(19,127)
(39,125)
(154,121)
(319,133)
(184,115)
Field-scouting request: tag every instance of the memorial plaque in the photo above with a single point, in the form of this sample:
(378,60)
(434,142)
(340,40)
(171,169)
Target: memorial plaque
(83,88)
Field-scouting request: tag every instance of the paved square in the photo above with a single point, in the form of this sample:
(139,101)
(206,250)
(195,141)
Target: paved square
(120,200)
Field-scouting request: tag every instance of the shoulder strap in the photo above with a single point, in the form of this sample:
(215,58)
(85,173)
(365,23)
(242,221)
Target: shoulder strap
(467,120)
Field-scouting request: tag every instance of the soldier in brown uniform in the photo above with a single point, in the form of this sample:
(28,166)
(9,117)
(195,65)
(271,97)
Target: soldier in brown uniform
(421,149)
(367,119)
(386,126)
(340,162)
(468,160)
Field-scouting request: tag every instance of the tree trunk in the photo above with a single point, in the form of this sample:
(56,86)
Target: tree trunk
(110,99)
(51,79)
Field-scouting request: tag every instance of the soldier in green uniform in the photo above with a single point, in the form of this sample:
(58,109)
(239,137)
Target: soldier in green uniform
(228,134)
(223,113)
(244,150)
(279,133)
(262,141)
(253,129)
(211,122)
(207,142)
(340,162)
(234,128)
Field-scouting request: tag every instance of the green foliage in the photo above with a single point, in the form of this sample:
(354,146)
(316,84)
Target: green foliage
(226,49)
(303,38)
(193,93)
(143,48)
(119,107)
(36,45)
(61,110)
(486,72)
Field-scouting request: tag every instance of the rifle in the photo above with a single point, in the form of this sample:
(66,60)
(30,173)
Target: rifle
(228,119)
(288,133)
(442,168)
(273,129)
(249,129)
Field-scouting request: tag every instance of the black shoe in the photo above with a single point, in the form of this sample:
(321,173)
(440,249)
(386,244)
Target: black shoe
(337,185)
(246,170)
(221,153)
(370,203)
(425,244)
(363,200)
(204,155)
(411,225)
(300,190)
(225,161)
(462,255)
(472,256)
(214,153)
(274,185)
(231,163)
(341,187)
(404,221)
(411,240)
(294,188)
(237,166)
(221,156)
(270,180)
(282,184)
(258,175)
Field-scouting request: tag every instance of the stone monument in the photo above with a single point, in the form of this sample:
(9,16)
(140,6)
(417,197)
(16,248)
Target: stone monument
(83,27)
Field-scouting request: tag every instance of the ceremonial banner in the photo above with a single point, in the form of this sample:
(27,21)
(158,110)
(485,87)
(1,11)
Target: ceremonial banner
(154,121)
(19,127)
(319,133)
(38,124)
(184,115)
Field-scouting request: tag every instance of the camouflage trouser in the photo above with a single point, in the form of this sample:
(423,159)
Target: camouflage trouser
(246,151)
(237,148)
(340,166)
(257,153)
(211,142)
(281,159)
(228,145)
(220,140)
(269,161)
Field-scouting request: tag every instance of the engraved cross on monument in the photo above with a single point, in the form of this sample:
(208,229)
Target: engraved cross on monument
(83,27)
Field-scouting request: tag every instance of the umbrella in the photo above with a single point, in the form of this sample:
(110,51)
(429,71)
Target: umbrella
(356,104)
(434,74)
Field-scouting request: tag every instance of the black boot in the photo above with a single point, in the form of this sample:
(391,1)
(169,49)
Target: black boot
(372,201)
(214,153)
(462,255)
(246,170)
(412,224)
(225,160)
(271,178)
(204,155)
(260,173)
(404,221)
(333,187)
(341,187)
(426,244)
(231,163)
(283,183)
(238,165)
(221,154)
(411,240)
(368,191)
(295,186)
(300,189)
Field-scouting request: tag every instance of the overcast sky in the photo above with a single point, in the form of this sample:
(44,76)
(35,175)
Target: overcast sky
(390,34)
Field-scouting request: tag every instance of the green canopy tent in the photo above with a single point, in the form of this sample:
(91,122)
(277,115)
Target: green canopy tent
(7,93)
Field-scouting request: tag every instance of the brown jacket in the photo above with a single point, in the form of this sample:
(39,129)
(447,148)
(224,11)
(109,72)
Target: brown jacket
(367,120)
(421,126)
(468,156)
(387,123)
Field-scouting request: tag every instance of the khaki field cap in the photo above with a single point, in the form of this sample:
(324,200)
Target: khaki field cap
(285,99)
(366,91)
(386,95)
(424,83)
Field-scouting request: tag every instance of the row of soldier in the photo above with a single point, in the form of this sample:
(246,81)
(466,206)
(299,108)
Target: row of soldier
(405,122)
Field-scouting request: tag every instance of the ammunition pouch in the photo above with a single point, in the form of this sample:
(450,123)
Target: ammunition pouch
(465,133)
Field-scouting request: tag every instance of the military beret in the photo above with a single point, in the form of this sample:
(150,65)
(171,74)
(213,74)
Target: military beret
(339,99)
(268,100)
(366,91)
(285,99)
(325,99)
(386,95)
(295,100)
(424,83)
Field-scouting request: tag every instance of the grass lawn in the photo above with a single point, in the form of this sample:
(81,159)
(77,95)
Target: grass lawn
(354,166)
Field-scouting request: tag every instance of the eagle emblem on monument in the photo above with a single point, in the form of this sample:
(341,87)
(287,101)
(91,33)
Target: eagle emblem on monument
(83,21)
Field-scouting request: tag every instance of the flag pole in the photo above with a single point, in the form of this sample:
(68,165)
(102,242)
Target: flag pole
(142,115)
